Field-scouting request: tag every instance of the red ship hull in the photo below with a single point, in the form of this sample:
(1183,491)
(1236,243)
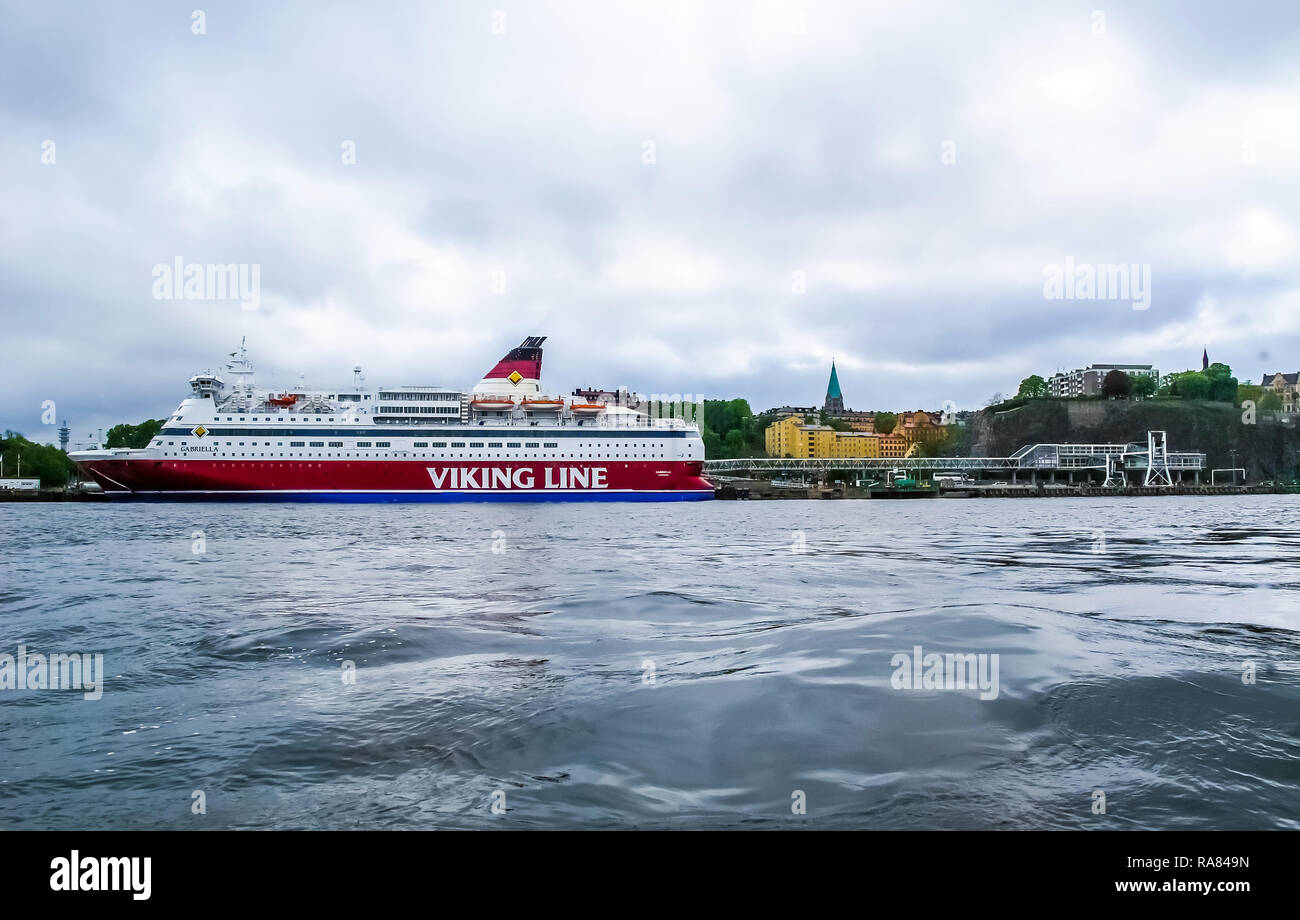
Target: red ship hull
(400,480)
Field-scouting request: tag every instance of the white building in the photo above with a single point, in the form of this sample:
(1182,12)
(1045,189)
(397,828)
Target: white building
(1086,381)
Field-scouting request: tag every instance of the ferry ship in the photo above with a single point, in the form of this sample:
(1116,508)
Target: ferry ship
(506,439)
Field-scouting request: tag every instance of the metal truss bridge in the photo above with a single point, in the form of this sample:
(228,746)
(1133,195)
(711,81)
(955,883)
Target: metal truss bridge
(1152,460)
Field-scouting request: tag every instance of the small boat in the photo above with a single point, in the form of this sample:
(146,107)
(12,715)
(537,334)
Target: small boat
(904,486)
(283,401)
(492,402)
(586,408)
(544,404)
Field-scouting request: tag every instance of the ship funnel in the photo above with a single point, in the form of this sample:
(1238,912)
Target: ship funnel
(518,372)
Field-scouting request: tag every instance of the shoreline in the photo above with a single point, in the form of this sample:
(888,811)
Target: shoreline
(52,495)
(733,493)
(758,493)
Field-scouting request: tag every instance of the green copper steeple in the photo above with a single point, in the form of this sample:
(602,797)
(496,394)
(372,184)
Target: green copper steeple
(834,400)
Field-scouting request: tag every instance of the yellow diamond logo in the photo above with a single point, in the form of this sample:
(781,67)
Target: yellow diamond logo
(200,431)
(514,377)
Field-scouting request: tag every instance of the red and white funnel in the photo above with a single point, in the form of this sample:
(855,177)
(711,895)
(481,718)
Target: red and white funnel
(518,373)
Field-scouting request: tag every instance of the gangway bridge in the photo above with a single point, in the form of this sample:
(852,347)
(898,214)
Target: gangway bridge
(1156,465)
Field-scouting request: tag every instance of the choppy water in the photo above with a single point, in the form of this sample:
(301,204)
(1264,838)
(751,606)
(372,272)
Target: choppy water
(656,665)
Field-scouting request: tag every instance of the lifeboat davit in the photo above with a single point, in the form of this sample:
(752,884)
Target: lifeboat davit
(586,408)
(283,401)
(543,405)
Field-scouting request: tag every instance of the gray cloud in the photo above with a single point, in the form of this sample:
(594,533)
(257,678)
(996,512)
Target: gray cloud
(788,138)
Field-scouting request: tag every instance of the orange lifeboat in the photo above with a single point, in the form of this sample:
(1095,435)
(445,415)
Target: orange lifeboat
(490,403)
(586,408)
(544,404)
(283,401)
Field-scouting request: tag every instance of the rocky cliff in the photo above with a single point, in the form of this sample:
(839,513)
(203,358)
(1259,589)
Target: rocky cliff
(1267,445)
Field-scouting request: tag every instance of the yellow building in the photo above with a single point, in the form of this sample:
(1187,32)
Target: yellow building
(851,444)
(895,445)
(791,437)
(919,427)
(782,438)
(858,421)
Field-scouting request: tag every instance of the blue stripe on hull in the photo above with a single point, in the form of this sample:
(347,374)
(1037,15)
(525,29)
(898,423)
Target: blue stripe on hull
(406,497)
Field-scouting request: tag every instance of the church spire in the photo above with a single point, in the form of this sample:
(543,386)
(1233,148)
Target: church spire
(834,399)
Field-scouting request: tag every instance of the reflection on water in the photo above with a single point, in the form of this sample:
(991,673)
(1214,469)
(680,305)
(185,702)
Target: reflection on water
(692,665)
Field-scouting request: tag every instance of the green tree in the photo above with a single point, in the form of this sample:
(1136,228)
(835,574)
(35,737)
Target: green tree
(1223,386)
(1188,385)
(954,443)
(1032,387)
(1269,401)
(1193,385)
(134,436)
(1117,384)
(730,429)
(1214,383)
(1143,386)
(885,422)
(39,461)
(1249,391)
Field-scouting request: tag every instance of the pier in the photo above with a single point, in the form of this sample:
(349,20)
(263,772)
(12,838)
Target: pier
(51,495)
(1033,469)
(759,489)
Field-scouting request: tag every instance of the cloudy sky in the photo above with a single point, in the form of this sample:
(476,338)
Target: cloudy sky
(694,197)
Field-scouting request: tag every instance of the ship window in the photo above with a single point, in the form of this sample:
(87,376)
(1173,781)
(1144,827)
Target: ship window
(364,444)
(551,444)
(383,444)
(475,443)
(297,443)
(531,444)
(421,444)
(316,444)
(439,443)
(457,443)
(494,443)
(513,444)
